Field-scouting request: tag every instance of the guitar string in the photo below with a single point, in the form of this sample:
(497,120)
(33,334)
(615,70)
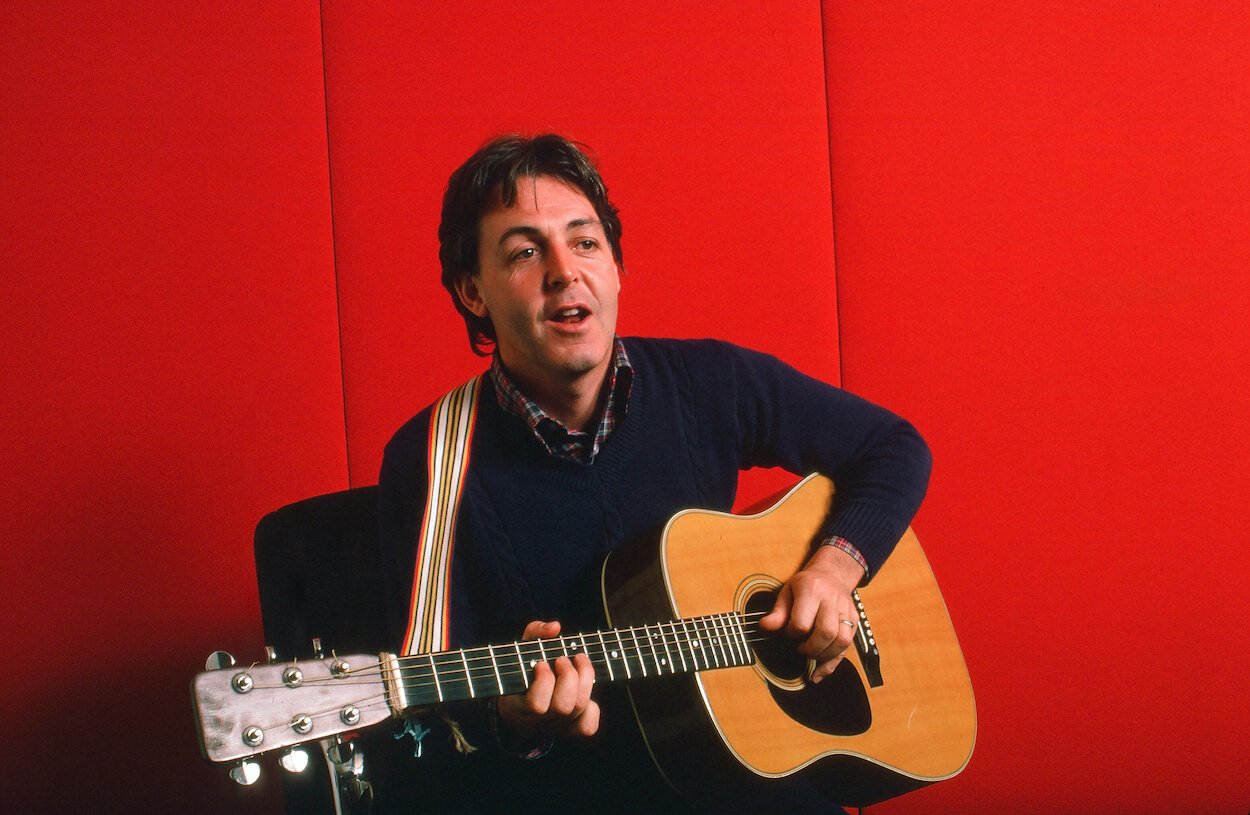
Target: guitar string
(486,664)
(673,632)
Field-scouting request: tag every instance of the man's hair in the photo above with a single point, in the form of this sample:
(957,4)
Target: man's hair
(495,170)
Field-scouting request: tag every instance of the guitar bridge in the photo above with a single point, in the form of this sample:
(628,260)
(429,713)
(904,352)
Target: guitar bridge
(866,645)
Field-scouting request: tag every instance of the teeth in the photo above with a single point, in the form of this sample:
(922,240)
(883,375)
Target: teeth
(570,312)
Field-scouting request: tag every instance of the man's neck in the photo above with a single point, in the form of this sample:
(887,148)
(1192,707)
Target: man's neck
(574,403)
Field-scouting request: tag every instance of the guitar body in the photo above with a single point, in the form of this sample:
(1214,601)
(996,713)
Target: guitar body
(858,740)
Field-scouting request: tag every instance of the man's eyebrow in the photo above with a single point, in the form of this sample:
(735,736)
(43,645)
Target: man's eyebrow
(534,232)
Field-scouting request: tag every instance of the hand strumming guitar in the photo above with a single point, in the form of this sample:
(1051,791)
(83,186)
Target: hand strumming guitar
(815,605)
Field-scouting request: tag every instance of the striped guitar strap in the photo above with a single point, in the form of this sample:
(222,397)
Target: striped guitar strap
(451,432)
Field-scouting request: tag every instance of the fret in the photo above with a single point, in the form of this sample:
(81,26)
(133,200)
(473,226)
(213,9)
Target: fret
(542,652)
(564,648)
(655,656)
(642,663)
(715,642)
(720,641)
(468,679)
(621,645)
(668,657)
(677,644)
(494,663)
(693,644)
(748,654)
(735,658)
(438,688)
(606,660)
(711,641)
(726,641)
(520,664)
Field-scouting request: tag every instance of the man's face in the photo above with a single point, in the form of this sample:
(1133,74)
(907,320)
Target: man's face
(549,284)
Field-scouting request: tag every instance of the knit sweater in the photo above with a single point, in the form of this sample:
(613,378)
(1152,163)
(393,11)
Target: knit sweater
(533,528)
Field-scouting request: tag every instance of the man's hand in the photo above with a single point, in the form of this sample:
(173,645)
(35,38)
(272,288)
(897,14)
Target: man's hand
(558,700)
(815,606)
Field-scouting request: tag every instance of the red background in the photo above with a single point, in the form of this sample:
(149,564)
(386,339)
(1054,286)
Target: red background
(219,283)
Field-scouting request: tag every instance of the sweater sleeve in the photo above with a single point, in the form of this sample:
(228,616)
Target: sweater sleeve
(878,462)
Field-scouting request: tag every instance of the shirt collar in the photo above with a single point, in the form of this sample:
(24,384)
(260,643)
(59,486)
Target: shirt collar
(558,440)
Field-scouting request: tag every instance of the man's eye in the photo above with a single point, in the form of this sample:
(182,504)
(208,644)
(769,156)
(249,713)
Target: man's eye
(587,244)
(524,254)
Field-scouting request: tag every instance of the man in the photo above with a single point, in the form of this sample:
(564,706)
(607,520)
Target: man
(585,441)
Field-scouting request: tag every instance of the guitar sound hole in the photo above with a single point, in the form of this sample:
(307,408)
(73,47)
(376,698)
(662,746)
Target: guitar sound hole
(776,654)
(838,705)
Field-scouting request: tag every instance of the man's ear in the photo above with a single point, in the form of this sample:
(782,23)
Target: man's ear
(470,296)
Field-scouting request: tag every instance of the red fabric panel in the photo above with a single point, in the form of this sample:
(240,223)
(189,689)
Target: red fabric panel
(710,126)
(1043,226)
(170,365)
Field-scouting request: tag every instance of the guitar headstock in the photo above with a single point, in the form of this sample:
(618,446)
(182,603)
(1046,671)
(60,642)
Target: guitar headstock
(244,711)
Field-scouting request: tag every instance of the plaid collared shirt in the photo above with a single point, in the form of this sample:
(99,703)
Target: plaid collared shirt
(558,440)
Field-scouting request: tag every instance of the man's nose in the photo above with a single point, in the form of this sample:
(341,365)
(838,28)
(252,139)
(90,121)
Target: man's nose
(561,267)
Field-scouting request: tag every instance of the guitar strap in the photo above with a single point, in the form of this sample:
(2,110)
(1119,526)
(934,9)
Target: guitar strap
(451,433)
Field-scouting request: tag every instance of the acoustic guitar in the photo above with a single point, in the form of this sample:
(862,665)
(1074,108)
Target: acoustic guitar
(683,607)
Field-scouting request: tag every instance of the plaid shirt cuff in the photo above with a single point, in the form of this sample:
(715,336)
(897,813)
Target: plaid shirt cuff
(846,546)
(509,745)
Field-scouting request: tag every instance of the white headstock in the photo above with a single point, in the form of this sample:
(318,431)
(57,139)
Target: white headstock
(243,711)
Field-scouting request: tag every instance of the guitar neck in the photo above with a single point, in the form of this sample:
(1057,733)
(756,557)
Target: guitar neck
(620,654)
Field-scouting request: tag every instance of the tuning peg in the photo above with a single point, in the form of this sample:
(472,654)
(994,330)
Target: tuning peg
(271,655)
(340,752)
(294,760)
(218,660)
(318,653)
(245,772)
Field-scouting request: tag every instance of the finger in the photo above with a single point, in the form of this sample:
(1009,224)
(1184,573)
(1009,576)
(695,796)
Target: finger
(828,658)
(539,629)
(832,632)
(585,679)
(824,669)
(566,698)
(775,619)
(588,723)
(804,614)
(542,686)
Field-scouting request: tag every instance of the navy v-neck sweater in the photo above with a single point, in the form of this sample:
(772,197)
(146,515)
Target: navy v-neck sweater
(534,528)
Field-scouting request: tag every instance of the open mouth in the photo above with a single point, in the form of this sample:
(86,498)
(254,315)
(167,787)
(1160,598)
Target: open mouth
(571,315)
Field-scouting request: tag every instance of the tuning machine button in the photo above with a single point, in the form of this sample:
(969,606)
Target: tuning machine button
(340,752)
(245,772)
(218,660)
(294,760)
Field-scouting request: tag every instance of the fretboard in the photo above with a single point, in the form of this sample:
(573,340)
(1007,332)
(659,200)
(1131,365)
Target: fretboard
(659,649)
